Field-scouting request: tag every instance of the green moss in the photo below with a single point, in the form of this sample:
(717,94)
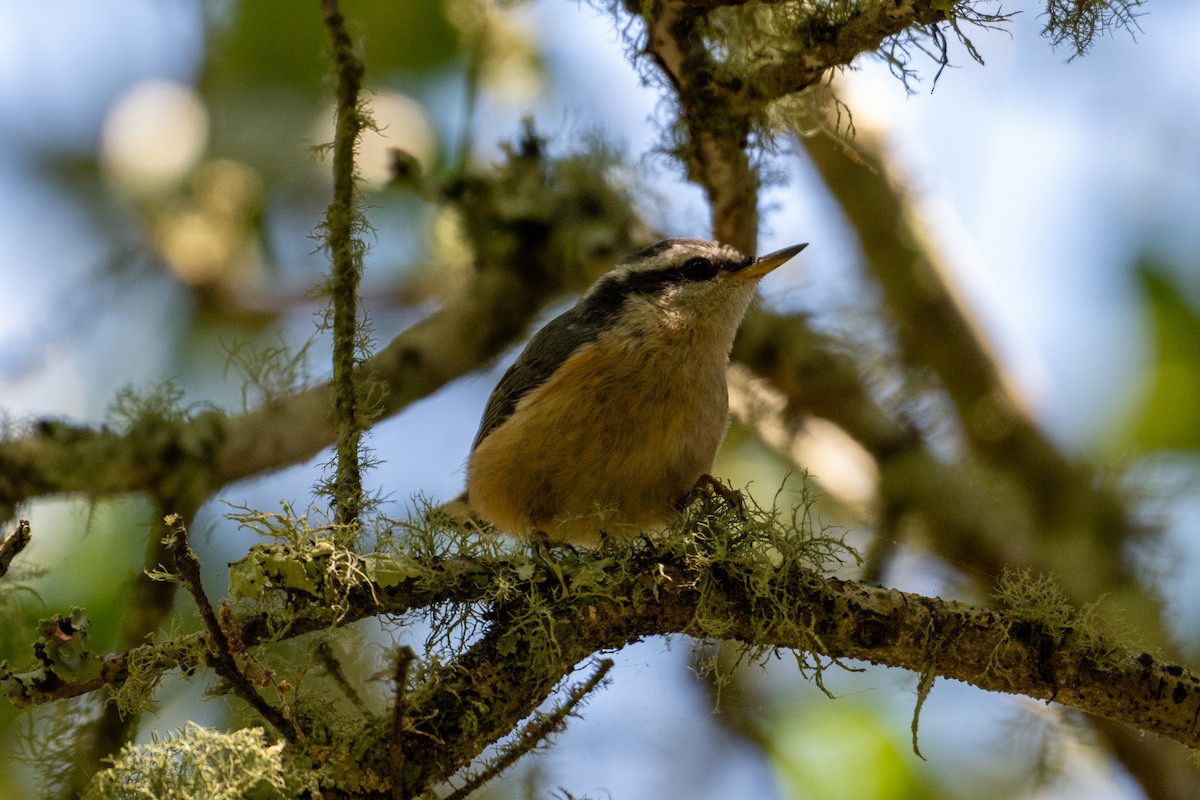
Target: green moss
(270,372)
(1039,611)
(146,666)
(762,560)
(195,764)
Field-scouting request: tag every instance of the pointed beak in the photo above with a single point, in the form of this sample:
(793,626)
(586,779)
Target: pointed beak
(764,264)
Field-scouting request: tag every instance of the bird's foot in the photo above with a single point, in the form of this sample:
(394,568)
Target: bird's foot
(707,486)
(542,550)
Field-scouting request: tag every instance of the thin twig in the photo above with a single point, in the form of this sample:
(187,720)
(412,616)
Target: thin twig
(13,544)
(325,655)
(404,661)
(537,730)
(187,566)
(512,282)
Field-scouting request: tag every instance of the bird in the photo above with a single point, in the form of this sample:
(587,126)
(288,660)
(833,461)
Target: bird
(614,410)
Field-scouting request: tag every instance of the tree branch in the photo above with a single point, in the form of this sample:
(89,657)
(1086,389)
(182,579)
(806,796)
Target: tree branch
(619,597)
(822,46)
(62,458)
(13,544)
(343,223)
(220,650)
(715,149)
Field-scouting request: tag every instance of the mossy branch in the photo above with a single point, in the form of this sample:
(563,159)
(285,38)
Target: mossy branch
(616,597)
(726,71)
(343,227)
(715,145)
(220,648)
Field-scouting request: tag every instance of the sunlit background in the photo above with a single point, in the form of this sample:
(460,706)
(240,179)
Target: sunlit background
(159,185)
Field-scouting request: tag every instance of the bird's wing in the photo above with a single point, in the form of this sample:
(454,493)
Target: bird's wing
(544,354)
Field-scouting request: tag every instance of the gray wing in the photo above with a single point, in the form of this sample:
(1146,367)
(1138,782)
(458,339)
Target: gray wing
(546,351)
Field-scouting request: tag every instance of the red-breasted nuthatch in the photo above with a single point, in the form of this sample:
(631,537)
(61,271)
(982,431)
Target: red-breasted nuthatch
(615,409)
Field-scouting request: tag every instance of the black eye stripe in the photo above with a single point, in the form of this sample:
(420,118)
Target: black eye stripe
(610,291)
(648,282)
(599,308)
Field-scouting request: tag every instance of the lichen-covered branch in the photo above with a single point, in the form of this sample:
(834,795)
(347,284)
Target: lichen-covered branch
(220,648)
(343,227)
(726,68)
(277,566)
(612,598)
(822,44)
(716,137)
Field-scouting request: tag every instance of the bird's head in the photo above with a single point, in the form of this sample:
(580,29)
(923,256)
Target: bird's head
(678,283)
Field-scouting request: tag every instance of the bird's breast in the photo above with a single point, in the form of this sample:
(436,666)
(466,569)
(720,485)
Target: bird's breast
(623,428)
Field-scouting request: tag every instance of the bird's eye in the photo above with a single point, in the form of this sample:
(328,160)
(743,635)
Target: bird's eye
(698,269)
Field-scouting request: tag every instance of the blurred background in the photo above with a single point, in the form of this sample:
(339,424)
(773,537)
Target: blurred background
(160,183)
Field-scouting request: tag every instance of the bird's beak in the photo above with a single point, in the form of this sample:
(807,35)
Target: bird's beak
(764,264)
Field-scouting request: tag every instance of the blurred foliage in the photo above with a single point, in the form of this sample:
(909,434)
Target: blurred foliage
(1169,417)
(266,43)
(810,747)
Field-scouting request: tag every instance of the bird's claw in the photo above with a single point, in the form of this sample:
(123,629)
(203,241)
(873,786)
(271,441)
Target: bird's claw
(542,551)
(708,486)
